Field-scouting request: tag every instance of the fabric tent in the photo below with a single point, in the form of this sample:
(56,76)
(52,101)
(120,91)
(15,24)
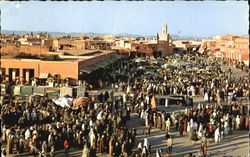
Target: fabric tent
(80,101)
(63,102)
(16,90)
(26,90)
(39,90)
(52,92)
(66,91)
(81,91)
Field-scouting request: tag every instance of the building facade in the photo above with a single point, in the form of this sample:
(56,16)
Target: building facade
(234,48)
(150,47)
(68,67)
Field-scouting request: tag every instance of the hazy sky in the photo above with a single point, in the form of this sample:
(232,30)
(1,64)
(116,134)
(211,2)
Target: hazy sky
(193,19)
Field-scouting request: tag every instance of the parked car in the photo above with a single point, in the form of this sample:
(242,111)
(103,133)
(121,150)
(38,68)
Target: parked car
(176,99)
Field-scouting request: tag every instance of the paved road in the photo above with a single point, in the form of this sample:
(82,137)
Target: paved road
(233,145)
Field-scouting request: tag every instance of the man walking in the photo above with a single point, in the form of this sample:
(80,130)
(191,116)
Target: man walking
(170,144)
(66,147)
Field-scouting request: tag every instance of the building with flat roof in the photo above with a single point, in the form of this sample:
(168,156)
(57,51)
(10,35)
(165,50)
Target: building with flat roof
(142,47)
(42,56)
(67,67)
(231,47)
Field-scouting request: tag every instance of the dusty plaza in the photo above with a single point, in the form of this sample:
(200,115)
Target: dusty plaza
(125,79)
(151,118)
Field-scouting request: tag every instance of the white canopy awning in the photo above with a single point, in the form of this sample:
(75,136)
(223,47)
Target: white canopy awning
(63,102)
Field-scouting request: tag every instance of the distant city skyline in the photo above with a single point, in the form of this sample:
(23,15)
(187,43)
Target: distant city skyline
(187,19)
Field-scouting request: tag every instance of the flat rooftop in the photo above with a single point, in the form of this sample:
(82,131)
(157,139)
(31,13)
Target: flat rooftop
(60,56)
(82,52)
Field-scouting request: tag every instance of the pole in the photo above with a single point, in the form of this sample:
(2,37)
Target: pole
(38,70)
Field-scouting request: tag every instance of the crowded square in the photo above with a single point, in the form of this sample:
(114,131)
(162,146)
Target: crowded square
(124,79)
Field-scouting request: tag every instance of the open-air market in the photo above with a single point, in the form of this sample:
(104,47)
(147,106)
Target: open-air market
(125,79)
(138,88)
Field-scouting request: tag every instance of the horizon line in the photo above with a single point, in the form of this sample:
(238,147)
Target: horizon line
(119,34)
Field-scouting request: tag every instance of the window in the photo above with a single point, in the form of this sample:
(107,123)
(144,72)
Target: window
(13,73)
(2,71)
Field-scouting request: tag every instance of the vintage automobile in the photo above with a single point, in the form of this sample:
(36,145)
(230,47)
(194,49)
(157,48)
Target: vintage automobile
(176,100)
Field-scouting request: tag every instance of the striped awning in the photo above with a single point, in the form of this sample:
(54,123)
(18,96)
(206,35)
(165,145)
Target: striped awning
(102,64)
(89,69)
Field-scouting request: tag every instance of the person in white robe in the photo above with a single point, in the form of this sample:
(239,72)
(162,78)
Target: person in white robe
(50,139)
(166,103)
(33,115)
(155,119)
(214,114)
(91,123)
(146,119)
(200,131)
(217,135)
(99,116)
(168,124)
(226,118)
(188,89)
(158,153)
(8,133)
(128,90)
(58,125)
(144,151)
(199,106)
(142,114)
(191,123)
(83,127)
(237,122)
(195,126)
(4,133)
(139,145)
(27,134)
(147,99)
(226,128)
(85,151)
(192,88)
(206,97)
(96,106)
(92,138)
(188,127)
(44,147)
(173,118)
(28,115)
(175,90)
(146,143)
(233,123)
(142,104)
(124,98)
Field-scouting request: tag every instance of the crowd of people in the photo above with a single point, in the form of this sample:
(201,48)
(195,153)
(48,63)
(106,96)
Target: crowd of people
(221,113)
(44,127)
(99,126)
